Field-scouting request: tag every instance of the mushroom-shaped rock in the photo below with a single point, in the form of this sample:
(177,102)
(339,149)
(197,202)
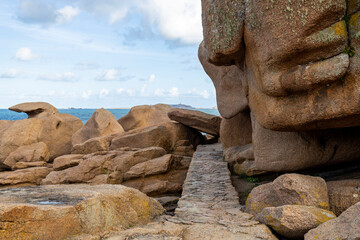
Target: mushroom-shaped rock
(101,123)
(145,116)
(35,109)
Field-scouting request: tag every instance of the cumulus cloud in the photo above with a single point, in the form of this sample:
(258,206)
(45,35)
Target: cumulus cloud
(45,12)
(24,54)
(204,94)
(173,92)
(113,75)
(59,77)
(175,20)
(86,94)
(10,73)
(66,14)
(103,93)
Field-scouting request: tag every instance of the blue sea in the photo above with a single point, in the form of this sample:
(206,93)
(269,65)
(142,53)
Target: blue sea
(83,114)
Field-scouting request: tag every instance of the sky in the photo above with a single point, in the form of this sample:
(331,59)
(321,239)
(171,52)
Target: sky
(102,53)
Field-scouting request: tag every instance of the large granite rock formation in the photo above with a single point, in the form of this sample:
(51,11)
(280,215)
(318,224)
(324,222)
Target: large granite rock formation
(69,211)
(296,66)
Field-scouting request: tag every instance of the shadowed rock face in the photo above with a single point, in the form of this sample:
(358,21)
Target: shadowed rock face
(296,64)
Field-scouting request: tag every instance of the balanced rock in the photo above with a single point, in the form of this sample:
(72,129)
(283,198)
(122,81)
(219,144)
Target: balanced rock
(346,226)
(65,211)
(145,116)
(101,123)
(195,119)
(35,109)
(293,221)
(343,194)
(29,153)
(289,189)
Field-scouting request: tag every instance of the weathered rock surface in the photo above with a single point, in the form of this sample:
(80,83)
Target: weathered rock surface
(289,189)
(92,145)
(60,212)
(29,153)
(346,226)
(343,194)
(291,151)
(23,165)
(28,176)
(67,161)
(145,116)
(195,119)
(57,131)
(293,221)
(236,131)
(35,109)
(239,154)
(102,123)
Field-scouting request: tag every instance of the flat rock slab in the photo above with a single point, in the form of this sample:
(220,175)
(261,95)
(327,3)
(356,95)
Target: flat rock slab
(62,211)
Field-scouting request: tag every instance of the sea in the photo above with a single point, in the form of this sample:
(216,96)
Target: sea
(83,114)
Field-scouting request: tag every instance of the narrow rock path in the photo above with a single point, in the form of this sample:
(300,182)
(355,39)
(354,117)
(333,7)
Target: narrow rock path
(208,208)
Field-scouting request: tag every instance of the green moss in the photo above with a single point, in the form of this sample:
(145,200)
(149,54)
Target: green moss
(349,50)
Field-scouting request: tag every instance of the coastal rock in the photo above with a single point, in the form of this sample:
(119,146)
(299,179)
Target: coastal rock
(346,226)
(164,135)
(57,131)
(67,161)
(145,116)
(195,119)
(293,221)
(19,133)
(289,189)
(23,165)
(92,145)
(343,194)
(152,167)
(239,154)
(29,153)
(35,109)
(101,123)
(292,151)
(37,213)
(248,168)
(236,131)
(24,177)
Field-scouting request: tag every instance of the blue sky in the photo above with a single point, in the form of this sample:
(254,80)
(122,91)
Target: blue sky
(102,53)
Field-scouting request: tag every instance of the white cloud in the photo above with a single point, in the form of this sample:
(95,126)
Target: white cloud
(204,94)
(24,54)
(86,94)
(66,14)
(131,92)
(173,92)
(103,93)
(113,75)
(10,73)
(59,77)
(152,78)
(120,90)
(176,20)
(118,15)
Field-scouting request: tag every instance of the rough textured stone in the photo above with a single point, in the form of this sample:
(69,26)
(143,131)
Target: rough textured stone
(57,131)
(67,161)
(239,154)
(195,119)
(35,109)
(19,133)
(291,151)
(289,189)
(145,116)
(151,167)
(23,165)
(236,131)
(92,145)
(248,168)
(164,135)
(29,153)
(293,221)
(102,123)
(346,226)
(28,176)
(343,194)
(37,213)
